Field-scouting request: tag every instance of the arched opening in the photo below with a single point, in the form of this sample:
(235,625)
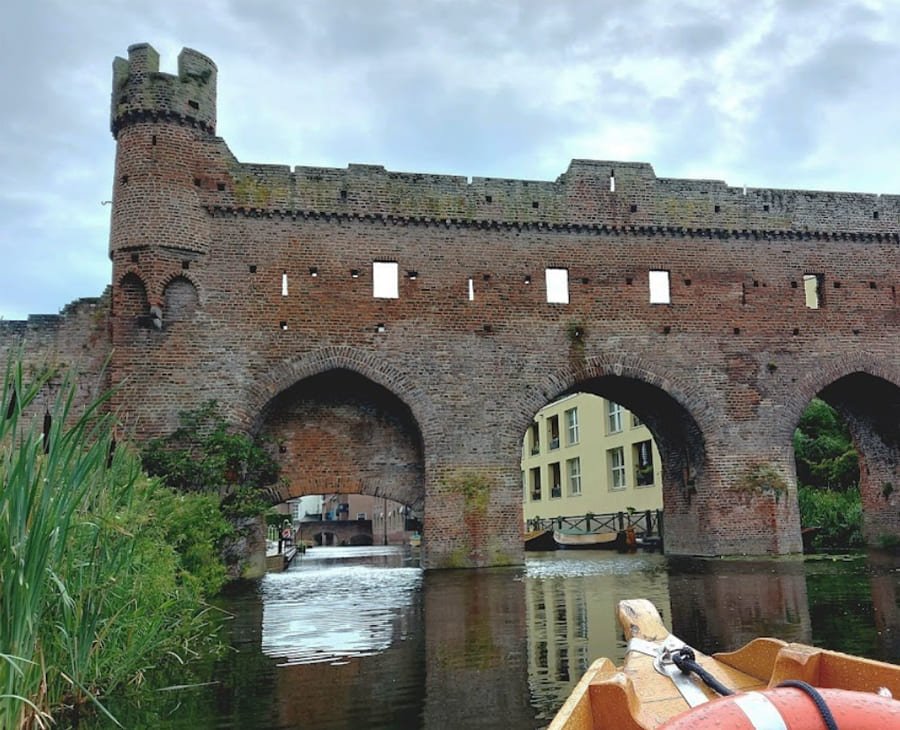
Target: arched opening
(605,463)
(181,300)
(847,450)
(351,453)
(130,304)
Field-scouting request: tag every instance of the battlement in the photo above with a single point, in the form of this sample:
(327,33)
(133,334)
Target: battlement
(589,192)
(140,91)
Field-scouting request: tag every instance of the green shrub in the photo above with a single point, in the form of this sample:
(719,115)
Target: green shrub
(837,515)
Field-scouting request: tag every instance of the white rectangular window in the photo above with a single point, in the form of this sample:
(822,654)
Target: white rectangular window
(613,417)
(284,284)
(557,286)
(471,289)
(659,287)
(385,279)
(571,426)
(616,460)
(573,467)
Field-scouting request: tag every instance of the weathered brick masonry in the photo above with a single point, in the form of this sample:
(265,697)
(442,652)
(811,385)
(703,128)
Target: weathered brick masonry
(413,396)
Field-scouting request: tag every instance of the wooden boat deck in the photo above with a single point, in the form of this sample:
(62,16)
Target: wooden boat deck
(638,697)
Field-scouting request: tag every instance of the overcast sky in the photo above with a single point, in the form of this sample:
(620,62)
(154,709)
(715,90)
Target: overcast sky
(792,93)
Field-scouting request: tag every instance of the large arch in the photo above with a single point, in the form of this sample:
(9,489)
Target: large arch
(262,392)
(339,432)
(666,405)
(866,393)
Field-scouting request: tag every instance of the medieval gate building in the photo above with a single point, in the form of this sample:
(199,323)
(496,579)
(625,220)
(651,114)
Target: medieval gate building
(395,333)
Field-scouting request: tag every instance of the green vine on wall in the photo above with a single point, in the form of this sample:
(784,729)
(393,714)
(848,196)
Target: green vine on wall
(475,489)
(762,478)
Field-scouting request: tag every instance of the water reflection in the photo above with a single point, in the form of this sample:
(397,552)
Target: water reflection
(360,638)
(325,610)
(476,670)
(570,600)
(722,604)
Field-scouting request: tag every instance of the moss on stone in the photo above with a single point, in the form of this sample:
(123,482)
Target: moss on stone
(762,478)
(474,487)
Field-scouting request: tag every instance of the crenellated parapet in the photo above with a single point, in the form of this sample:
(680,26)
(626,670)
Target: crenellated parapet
(141,92)
(590,193)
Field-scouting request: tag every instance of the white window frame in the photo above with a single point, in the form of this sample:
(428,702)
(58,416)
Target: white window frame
(571,426)
(618,478)
(613,417)
(573,472)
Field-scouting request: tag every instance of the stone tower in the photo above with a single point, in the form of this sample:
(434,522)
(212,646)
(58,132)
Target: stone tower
(159,231)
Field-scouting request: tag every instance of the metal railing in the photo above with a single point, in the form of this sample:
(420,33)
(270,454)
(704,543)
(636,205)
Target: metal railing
(646,523)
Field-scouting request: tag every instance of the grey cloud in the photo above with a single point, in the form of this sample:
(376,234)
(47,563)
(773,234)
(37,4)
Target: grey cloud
(460,86)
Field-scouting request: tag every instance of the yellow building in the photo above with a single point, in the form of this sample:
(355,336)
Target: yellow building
(586,454)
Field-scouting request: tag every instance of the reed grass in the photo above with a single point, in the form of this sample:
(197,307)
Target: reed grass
(92,594)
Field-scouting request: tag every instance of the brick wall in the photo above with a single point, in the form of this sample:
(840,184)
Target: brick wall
(203,247)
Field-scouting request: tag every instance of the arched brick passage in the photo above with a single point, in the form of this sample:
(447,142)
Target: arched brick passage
(658,397)
(338,431)
(678,437)
(667,408)
(864,390)
(871,407)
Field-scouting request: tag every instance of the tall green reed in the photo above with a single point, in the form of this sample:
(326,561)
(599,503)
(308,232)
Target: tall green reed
(92,595)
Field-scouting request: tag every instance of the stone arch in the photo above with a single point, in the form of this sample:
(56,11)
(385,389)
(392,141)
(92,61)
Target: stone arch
(367,364)
(180,299)
(340,431)
(130,304)
(675,412)
(678,414)
(827,372)
(866,392)
(690,397)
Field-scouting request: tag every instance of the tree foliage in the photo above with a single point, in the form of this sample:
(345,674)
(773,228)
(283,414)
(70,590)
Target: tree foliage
(828,478)
(205,454)
(824,452)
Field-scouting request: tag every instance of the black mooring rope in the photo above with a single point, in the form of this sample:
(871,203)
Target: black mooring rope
(814,695)
(685,659)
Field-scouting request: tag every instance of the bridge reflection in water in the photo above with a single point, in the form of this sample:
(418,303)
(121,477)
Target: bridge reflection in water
(360,638)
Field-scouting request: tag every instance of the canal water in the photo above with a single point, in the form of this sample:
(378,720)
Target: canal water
(361,638)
